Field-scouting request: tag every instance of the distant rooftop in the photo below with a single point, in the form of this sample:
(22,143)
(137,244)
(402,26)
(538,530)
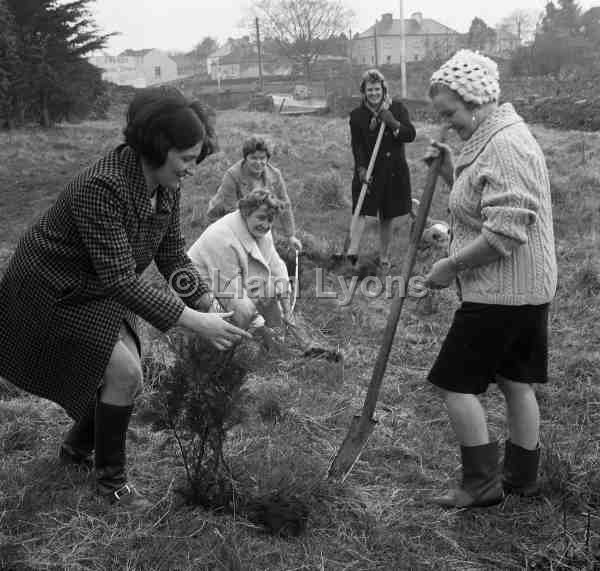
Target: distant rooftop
(416,25)
(136,53)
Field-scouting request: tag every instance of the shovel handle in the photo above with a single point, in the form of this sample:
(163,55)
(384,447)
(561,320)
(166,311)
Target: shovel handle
(407,267)
(365,186)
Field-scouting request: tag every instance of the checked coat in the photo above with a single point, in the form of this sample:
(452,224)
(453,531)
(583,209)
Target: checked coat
(76,276)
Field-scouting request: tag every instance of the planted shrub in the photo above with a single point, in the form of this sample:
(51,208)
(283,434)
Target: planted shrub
(200,400)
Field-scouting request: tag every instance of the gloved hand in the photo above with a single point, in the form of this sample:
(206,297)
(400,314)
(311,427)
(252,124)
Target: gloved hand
(388,118)
(362,175)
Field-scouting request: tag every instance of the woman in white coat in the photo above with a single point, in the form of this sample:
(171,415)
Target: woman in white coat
(237,258)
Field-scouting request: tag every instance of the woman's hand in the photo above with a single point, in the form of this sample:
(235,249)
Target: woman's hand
(442,274)
(388,118)
(213,327)
(295,243)
(437,149)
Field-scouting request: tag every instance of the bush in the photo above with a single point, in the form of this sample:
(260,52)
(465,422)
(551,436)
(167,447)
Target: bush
(200,400)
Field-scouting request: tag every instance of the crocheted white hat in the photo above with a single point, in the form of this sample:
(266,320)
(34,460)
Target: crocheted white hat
(473,76)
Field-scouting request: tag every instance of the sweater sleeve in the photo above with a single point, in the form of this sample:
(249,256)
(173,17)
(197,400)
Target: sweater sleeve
(215,255)
(509,204)
(97,210)
(225,199)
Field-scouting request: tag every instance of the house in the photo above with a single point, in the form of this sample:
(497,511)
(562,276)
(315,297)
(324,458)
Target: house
(239,59)
(138,68)
(213,63)
(189,64)
(424,39)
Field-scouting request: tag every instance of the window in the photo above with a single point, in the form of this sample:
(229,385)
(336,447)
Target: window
(157,73)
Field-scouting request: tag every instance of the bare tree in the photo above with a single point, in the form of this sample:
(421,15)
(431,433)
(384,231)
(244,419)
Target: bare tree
(521,23)
(299,27)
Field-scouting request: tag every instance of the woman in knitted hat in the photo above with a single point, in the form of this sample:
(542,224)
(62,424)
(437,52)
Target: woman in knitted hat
(501,257)
(389,193)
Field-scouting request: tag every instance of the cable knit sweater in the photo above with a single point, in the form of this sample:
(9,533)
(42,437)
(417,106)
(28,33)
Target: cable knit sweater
(502,190)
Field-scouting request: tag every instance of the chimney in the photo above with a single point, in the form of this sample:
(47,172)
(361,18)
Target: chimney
(417,17)
(386,20)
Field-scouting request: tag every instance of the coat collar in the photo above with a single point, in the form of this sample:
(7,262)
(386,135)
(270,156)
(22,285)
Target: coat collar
(134,173)
(504,116)
(252,246)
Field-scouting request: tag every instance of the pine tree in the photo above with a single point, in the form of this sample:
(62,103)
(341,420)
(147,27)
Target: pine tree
(9,64)
(52,42)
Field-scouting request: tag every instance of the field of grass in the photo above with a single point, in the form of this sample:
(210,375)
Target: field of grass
(379,518)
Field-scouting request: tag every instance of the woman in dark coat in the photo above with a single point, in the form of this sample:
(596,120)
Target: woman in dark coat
(389,193)
(71,294)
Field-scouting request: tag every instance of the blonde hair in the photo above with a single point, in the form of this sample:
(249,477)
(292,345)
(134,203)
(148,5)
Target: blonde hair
(255,199)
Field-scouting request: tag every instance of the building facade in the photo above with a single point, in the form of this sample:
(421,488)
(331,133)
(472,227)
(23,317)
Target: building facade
(424,39)
(138,68)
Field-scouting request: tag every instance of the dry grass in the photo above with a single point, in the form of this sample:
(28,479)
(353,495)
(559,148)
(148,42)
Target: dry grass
(298,410)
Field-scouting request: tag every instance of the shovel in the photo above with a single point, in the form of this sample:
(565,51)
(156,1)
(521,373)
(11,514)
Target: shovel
(362,425)
(361,197)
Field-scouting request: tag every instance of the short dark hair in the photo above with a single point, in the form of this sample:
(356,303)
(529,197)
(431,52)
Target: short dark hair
(255,199)
(256,143)
(161,118)
(373,76)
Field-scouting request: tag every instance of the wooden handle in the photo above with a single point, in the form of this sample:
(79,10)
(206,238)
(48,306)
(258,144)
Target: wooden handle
(407,267)
(363,190)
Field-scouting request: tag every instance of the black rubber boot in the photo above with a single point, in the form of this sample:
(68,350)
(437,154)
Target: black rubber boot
(111,473)
(481,484)
(519,475)
(78,444)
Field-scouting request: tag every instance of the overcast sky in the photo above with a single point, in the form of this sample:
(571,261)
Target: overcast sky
(180,24)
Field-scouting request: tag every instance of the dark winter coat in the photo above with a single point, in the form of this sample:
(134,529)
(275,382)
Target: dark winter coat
(389,191)
(76,276)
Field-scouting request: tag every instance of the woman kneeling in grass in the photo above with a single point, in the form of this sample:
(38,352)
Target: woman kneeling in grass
(253,172)
(236,257)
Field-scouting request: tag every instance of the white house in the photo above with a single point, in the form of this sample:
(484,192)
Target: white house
(425,39)
(138,68)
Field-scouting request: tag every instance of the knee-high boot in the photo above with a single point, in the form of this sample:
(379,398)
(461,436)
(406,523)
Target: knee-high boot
(78,442)
(519,475)
(110,456)
(481,484)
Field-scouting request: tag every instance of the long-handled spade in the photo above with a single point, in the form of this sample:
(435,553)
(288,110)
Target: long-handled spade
(362,425)
(353,234)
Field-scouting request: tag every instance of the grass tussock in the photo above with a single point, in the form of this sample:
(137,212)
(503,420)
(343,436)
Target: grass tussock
(281,512)
(325,190)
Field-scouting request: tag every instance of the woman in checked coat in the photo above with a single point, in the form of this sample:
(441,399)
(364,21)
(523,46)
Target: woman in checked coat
(73,290)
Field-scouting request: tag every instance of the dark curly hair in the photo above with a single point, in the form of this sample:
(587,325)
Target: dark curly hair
(373,76)
(256,143)
(255,199)
(161,118)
